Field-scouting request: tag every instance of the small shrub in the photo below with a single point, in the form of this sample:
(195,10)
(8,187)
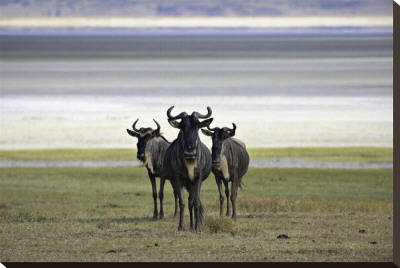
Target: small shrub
(217,224)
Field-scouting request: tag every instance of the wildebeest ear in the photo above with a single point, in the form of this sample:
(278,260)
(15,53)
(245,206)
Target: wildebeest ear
(174,123)
(230,133)
(205,123)
(132,133)
(207,132)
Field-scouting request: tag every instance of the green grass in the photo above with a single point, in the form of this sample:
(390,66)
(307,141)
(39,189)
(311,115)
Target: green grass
(104,214)
(352,154)
(69,154)
(343,154)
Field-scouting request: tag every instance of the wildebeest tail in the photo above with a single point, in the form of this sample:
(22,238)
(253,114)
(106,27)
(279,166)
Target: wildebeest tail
(241,184)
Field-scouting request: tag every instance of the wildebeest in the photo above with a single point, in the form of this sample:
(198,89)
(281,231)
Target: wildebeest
(187,162)
(151,148)
(230,163)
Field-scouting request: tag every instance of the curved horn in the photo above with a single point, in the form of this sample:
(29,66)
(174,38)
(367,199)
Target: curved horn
(158,126)
(232,130)
(179,116)
(134,124)
(198,115)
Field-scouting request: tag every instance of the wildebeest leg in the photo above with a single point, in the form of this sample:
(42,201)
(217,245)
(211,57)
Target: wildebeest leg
(235,184)
(153,185)
(197,203)
(228,208)
(190,200)
(181,226)
(221,194)
(161,196)
(176,202)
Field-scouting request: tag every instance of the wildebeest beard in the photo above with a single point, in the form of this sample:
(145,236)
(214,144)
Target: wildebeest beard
(191,164)
(148,162)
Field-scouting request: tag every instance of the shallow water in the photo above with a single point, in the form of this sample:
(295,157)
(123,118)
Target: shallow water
(303,91)
(256,163)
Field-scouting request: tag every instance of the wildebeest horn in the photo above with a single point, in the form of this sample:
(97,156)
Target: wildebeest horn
(232,130)
(198,115)
(134,124)
(158,126)
(179,116)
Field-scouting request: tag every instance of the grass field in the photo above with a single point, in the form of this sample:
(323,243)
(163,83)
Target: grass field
(105,214)
(351,154)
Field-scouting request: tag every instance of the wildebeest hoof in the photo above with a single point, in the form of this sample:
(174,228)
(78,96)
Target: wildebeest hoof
(161,217)
(154,217)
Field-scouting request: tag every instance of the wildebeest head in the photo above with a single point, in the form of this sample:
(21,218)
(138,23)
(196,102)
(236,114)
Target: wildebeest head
(218,135)
(190,125)
(143,135)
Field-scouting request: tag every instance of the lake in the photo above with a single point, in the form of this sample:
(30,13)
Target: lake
(280,90)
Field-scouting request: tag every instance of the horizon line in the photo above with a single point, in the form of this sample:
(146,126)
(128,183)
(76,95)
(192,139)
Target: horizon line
(200,22)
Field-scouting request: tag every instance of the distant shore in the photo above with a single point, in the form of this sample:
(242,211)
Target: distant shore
(256,163)
(302,157)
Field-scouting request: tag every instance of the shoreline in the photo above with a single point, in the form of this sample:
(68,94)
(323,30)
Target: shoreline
(255,163)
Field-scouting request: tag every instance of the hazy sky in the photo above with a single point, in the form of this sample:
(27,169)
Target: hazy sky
(84,8)
(20,15)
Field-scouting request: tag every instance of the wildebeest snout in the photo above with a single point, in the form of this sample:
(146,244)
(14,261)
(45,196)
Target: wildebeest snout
(216,161)
(190,153)
(140,156)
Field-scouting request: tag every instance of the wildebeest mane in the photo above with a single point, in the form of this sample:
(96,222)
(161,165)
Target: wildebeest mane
(236,155)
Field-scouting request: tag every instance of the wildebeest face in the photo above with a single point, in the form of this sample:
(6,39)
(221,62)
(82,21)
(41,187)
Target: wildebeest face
(143,135)
(218,135)
(190,125)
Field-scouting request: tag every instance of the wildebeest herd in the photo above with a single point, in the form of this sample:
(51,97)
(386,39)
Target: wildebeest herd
(187,162)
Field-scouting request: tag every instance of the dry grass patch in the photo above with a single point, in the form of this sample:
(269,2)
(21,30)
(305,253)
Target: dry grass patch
(284,204)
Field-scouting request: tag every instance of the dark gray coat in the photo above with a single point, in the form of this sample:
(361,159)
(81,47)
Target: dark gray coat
(187,163)
(151,148)
(230,163)
(178,168)
(154,155)
(234,160)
